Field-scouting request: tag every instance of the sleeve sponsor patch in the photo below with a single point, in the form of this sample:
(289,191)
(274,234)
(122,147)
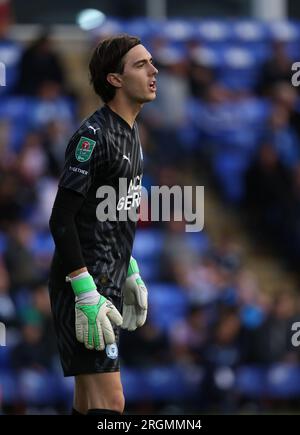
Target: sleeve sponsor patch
(79,170)
(84,149)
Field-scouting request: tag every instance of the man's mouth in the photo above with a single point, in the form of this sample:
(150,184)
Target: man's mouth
(152,85)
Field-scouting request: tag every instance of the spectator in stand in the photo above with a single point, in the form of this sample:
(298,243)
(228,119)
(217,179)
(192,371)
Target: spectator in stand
(271,342)
(18,257)
(39,64)
(32,352)
(276,69)
(267,184)
(153,341)
(189,337)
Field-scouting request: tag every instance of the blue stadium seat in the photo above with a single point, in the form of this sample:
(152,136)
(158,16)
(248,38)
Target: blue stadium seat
(3,242)
(8,387)
(207,56)
(251,35)
(239,68)
(283,381)
(161,383)
(177,30)
(147,251)
(42,244)
(22,298)
(248,31)
(17,111)
(168,304)
(250,381)
(198,242)
(65,389)
(213,31)
(43,112)
(5,353)
(149,270)
(148,244)
(165,383)
(134,384)
(283,30)
(138,26)
(38,388)
(229,168)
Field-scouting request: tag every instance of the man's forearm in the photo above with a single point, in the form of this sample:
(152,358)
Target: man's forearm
(64,230)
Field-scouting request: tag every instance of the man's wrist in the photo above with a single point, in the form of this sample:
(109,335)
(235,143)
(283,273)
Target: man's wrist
(77,272)
(83,283)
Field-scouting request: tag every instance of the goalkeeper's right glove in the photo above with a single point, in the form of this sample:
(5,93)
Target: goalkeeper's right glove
(135,298)
(93,314)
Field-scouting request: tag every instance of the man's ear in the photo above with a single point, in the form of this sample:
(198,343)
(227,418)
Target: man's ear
(114,79)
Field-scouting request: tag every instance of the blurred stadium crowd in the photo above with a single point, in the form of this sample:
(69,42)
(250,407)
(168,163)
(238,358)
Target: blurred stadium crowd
(214,341)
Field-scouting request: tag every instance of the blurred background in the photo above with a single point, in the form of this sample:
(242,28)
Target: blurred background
(222,301)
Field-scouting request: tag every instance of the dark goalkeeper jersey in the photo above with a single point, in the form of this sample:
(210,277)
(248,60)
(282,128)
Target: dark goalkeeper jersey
(103,162)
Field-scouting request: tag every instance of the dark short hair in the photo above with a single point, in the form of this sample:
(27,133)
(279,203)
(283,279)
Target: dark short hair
(108,58)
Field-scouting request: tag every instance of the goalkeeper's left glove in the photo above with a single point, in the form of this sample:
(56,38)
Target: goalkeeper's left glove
(135,298)
(94,314)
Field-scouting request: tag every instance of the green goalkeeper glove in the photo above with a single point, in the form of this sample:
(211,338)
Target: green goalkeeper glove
(93,314)
(135,298)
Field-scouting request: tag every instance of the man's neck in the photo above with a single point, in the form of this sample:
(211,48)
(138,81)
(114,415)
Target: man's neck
(127,111)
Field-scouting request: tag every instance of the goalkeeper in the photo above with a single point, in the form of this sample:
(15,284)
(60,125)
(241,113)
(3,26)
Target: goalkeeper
(95,286)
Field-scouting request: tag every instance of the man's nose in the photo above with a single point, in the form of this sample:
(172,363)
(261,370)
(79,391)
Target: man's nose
(153,69)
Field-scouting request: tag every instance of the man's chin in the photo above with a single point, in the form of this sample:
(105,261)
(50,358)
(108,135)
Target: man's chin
(148,98)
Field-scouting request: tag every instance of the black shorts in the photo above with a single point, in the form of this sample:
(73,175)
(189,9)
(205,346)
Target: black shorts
(75,358)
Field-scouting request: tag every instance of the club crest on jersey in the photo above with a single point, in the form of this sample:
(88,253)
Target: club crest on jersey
(84,149)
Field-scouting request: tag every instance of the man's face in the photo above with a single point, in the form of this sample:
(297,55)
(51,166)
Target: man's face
(138,77)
